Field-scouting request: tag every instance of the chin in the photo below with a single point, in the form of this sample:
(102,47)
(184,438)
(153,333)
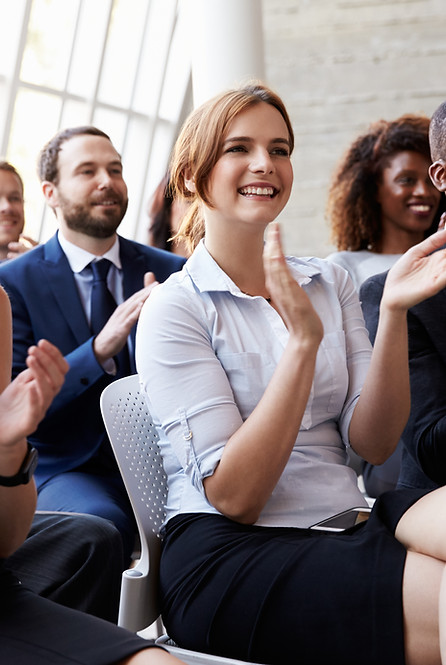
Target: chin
(4,241)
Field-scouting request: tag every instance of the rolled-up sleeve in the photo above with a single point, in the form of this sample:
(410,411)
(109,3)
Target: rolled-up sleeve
(187,387)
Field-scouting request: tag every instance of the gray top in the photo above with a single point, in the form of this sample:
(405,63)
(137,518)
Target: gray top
(363,264)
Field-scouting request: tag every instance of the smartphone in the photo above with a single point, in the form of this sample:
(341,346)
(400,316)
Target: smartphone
(344,520)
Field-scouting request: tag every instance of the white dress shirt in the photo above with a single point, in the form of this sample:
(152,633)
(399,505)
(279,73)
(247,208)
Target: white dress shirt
(205,353)
(79,260)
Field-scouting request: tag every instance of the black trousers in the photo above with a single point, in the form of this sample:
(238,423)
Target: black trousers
(36,631)
(75,560)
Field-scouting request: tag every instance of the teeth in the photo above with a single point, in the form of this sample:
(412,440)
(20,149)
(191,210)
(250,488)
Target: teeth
(421,208)
(258,191)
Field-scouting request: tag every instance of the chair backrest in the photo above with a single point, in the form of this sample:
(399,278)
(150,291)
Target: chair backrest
(134,441)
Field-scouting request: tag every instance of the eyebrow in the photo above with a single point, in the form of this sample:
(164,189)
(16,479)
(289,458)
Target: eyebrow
(114,162)
(12,192)
(248,139)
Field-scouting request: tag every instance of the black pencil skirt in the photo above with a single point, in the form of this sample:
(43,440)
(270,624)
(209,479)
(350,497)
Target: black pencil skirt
(287,595)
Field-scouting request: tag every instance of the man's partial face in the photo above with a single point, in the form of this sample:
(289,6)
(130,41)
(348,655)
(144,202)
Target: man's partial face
(12,216)
(91,195)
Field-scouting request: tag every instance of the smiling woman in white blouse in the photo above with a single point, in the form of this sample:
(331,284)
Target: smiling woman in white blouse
(259,374)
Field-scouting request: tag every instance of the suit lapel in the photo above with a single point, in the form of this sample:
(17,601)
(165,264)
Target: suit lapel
(56,272)
(134,267)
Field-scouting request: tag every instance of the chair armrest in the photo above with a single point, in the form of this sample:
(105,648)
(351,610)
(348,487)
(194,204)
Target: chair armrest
(136,611)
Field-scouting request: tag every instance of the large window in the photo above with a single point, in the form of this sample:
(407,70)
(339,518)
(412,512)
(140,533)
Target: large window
(118,64)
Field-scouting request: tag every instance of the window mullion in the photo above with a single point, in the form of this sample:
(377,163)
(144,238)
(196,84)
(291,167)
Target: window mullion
(155,123)
(94,98)
(15,81)
(64,96)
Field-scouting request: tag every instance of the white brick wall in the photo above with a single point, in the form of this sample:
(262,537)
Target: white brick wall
(339,65)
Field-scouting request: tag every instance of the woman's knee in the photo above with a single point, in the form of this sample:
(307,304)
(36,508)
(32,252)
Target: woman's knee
(421,600)
(421,527)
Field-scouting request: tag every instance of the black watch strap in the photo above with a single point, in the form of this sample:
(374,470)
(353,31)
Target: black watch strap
(24,474)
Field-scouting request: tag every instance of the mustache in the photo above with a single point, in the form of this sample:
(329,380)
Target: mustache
(108,195)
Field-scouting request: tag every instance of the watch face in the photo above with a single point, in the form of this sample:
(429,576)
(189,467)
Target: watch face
(24,474)
(30,464)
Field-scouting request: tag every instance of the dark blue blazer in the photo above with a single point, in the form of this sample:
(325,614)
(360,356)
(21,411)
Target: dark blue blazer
(45,304)
(424,452)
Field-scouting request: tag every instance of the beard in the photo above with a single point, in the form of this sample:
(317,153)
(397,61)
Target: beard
(80,217)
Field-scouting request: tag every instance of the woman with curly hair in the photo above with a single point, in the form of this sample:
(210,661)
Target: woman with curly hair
(381,200)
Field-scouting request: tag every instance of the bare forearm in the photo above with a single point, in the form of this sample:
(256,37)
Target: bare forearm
(17,504)
(383,407)
(255,456)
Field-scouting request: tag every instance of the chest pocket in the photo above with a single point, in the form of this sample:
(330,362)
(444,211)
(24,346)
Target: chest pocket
(330,382)
(250,373)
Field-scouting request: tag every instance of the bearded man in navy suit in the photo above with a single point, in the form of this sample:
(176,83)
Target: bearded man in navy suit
(50,291)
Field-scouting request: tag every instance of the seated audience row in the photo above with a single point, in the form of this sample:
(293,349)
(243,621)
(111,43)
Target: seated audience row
(249,437)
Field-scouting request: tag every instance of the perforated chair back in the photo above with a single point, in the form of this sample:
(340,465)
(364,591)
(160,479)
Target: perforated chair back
(135,444)
(134,441)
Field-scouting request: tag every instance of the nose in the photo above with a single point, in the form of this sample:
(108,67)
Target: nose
(423,187)
(104,179)
(5,203)
(262,162)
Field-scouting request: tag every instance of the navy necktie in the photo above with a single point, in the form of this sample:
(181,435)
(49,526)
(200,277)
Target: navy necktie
(102,302)
(103,305)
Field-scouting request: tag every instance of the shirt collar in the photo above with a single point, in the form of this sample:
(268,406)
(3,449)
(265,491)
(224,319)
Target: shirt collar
(79,258)
(208,276)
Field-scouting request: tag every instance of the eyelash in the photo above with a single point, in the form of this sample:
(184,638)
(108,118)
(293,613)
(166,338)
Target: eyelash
(282,152)
(112,171)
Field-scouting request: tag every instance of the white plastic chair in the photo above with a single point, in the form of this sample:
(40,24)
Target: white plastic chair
(135,444)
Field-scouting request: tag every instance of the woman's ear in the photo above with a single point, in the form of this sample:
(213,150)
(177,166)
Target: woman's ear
(437,173)
(189,181)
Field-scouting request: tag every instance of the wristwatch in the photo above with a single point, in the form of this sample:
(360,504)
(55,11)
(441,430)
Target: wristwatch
(24,474)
